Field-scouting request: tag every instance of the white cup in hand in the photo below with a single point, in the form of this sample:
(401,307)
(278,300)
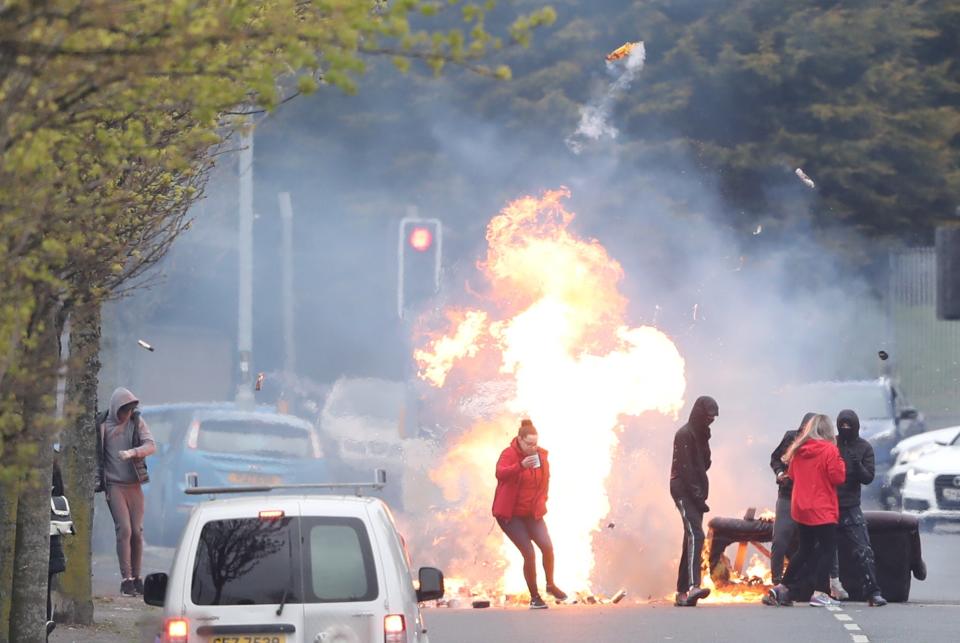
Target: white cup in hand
(531,461)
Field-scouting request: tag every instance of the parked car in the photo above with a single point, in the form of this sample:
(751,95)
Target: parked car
(931,487)
(292,569)
(904,454)
(225,446)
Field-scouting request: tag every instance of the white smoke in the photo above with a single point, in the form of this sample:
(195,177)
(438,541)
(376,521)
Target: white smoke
(595,116)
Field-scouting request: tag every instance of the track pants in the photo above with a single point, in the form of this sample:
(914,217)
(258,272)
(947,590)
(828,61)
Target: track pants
(126,506)
(810,567)
(691,553)
(853,542)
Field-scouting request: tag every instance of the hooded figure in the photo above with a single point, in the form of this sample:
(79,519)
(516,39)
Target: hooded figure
(854,550)
(123,441)
(784,528)
(857,453)
(690,488)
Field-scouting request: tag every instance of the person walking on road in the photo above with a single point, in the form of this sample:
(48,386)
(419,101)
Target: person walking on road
(123,442)
(852,538)
(689,487)
(816,468)
(520,503)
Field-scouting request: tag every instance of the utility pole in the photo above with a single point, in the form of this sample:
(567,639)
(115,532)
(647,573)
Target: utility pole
(286,219)
(245,265)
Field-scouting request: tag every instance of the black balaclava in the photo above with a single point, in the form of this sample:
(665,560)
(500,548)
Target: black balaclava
(704,406)
(848,426)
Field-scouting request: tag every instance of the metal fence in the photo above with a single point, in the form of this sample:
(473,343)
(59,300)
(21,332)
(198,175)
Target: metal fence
(926,350)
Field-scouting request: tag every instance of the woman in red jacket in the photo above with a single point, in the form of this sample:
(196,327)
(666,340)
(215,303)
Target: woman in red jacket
(816,468)
(519,504)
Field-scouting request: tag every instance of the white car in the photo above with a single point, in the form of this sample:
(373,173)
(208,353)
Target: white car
(931,487)
(904,454)
(311,568)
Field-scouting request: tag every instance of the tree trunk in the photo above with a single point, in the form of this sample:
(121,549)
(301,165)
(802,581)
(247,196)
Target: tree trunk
(9,490)
(35,396)
(78,464)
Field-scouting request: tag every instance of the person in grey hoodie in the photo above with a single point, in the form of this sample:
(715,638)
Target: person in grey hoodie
(123,442)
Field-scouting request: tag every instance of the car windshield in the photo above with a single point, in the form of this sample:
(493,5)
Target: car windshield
(871,401)
(254,437)
(246,561)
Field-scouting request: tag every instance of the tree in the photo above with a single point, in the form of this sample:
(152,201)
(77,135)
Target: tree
(111,113)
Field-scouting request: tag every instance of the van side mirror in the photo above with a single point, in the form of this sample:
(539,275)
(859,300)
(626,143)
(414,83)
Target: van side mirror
(431,584)
(155,589)
(908,413)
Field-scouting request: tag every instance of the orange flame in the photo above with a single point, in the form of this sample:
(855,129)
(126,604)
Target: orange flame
(560,337)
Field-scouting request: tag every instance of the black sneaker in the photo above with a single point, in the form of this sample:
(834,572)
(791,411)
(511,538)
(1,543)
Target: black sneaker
(695,594)
(877,600)
(680,599)
(127,588)
(536,603)
(51,626)
(556,592)
(138,586)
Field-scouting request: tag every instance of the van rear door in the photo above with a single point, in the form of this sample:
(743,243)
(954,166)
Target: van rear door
(246,582)
(343,594)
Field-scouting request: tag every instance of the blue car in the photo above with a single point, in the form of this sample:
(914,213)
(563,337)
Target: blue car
(224,446)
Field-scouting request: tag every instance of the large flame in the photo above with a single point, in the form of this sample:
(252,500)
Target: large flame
(554,328)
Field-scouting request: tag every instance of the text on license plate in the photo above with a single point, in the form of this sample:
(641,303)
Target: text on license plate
(951,494)
(251,638)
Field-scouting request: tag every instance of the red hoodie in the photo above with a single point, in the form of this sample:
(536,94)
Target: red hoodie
(816,470)
(518,488)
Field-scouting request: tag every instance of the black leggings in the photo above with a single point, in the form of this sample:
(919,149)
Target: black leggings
(524,531)
(810,567)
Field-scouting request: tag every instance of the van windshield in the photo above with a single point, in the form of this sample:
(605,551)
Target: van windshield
(254,437)
(246,561)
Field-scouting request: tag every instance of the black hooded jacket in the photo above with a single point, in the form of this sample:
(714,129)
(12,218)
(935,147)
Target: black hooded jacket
(857,454)
(786,487)
(691,454)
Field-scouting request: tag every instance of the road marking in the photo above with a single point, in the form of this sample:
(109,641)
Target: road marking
(860,638)
(843,617)
(834,609)
(852,627)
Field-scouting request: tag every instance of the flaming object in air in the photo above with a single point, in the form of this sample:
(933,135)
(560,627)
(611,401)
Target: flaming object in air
(555,331)
(622,51)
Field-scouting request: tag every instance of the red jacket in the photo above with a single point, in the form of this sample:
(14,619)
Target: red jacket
(511,475)
(816,470)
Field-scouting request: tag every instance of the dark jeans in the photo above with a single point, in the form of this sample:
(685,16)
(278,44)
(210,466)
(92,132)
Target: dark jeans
(853,543)
(784,534)
(810,567)
(691,552)
(524,531)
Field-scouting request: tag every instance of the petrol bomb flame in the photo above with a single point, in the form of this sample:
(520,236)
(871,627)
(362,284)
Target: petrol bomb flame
(555,331)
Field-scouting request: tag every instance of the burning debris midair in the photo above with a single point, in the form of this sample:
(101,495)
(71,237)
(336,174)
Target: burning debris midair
(594,116)
(807,181)
(145,345)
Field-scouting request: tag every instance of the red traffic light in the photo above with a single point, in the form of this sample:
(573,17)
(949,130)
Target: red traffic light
(420,239)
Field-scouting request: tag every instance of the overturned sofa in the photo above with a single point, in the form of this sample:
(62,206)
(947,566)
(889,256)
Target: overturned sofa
(894,537)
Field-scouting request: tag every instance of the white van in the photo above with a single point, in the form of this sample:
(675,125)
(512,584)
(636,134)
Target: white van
(311,568)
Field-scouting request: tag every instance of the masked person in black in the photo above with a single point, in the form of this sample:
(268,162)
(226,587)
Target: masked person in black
(690,487)
(852,538)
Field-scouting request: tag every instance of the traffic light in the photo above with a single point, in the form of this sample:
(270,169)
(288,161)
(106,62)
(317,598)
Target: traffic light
(420,244)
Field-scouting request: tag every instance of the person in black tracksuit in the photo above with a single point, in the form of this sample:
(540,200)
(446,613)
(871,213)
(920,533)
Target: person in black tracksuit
(853,541)
(690,487)
(784,527)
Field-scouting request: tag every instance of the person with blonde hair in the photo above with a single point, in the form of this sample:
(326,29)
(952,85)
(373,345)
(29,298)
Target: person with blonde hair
(816,468)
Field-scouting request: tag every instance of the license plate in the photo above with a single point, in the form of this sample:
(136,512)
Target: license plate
(251,638)
(253,478)
(951,494)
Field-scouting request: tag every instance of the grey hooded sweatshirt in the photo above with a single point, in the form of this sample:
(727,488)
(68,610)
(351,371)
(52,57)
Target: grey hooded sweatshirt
(116,437)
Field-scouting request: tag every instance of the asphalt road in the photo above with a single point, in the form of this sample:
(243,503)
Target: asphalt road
(931,616)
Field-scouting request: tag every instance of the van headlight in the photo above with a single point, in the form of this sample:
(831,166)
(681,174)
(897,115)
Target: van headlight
(920,475)
(917,452)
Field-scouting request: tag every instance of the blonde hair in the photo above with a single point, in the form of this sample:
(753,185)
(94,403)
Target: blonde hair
(819,427)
